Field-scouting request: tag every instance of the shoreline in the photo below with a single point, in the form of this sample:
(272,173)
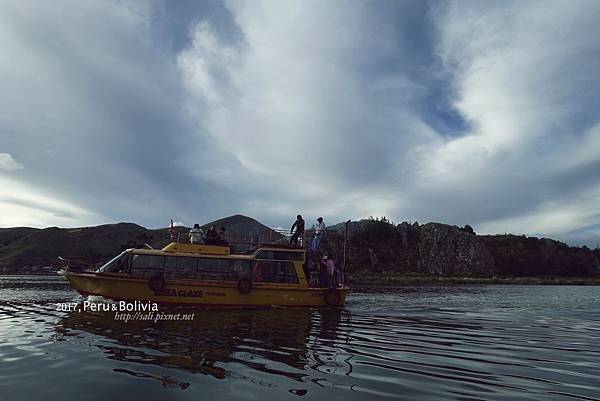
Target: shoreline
(369,279)
(372,279)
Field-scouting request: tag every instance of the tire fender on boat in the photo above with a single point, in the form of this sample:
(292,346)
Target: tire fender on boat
(332,297)
(244,285)
(156,283)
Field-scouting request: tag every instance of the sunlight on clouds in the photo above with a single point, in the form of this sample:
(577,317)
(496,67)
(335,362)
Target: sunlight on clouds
(22,205)
(515,72)
(8,163)
(551,218)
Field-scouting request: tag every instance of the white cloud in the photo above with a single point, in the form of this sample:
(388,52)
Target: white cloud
(311,121)
(24,205)
(479,113)
(91,102)
(8,163)
(525,76)
(294,104)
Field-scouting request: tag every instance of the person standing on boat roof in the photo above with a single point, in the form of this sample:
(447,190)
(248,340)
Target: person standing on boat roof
(319,232)
(211,235)
(222,239)
(196,235)
(299,233)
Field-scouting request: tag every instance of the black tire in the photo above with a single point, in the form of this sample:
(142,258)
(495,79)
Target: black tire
(332,297)
(156,283)
(244,286)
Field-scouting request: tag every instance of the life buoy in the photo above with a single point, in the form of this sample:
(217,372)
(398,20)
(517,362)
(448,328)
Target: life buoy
(156,283)
(332,297)
(244,286)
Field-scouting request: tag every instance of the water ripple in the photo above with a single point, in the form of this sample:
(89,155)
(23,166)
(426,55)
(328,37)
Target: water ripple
(457,343)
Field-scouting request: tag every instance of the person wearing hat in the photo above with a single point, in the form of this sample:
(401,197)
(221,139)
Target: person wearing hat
(196,234)
(319,232)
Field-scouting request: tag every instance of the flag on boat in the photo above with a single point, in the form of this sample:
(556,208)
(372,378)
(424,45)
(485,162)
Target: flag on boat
(171,230)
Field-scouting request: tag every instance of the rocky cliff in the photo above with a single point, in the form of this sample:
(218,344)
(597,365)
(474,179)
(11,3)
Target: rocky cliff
(435,249)
(432,249)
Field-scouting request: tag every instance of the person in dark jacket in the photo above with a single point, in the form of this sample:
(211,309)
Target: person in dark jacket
(211,236)
(222,239)
(299,233)
(323,274)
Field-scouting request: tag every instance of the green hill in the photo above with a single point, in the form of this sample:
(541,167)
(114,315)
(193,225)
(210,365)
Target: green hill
(22,248)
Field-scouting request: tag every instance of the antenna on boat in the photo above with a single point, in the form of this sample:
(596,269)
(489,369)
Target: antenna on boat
(67,262)
(344,266)
(148,246)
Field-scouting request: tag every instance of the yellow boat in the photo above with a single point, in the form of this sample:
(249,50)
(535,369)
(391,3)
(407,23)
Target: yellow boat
(193,274)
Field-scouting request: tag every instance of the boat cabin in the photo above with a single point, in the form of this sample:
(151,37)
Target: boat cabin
(182,261)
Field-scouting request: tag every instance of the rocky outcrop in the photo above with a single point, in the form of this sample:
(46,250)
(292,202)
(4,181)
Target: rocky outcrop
(445,250)
(432,249)
(435,249)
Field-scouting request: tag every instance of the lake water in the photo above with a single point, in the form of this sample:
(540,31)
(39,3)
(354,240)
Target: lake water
(411,343)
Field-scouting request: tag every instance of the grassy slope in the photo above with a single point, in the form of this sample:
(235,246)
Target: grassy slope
(86,246)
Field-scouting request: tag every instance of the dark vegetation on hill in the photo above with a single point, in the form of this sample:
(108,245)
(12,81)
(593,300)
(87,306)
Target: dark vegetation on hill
(27,249)
(374,245)
(441,250)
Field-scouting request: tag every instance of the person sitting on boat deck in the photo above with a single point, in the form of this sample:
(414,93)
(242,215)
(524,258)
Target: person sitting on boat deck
(196,235)
(319,231)
(222,240)
(323,275)
(211,236)
(299,233)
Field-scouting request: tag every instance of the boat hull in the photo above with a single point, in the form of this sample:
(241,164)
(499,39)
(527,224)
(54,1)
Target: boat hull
(191,293)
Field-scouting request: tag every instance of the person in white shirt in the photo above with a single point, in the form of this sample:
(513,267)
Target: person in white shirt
(319,232)
(196,234)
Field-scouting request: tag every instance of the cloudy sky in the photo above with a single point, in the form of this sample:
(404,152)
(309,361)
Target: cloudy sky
(481,113)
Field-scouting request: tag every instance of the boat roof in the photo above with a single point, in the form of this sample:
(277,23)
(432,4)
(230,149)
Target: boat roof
(185,249)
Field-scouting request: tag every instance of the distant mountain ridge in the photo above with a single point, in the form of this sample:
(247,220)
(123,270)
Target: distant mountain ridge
(24,246)
(240,225)
(432,249)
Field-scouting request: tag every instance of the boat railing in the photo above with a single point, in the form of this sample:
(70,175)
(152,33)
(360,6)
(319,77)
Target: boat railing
(333,243)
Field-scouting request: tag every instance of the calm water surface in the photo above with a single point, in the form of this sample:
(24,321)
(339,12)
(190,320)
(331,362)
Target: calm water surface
(412,343)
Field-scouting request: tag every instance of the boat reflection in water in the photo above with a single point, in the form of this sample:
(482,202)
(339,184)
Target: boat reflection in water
(222,343)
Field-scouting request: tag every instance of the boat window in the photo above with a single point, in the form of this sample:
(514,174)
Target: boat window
(118,264)
(170,262)
(242,267)
(181,267)
(274,272)
(279,255)
(147,265)
(223,269)
(207,268)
